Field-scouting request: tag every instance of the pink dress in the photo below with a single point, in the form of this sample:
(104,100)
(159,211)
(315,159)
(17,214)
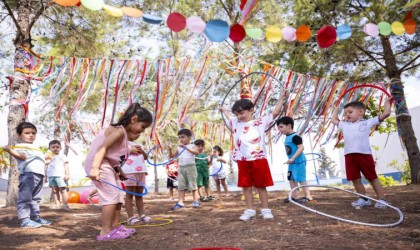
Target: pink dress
(108,194)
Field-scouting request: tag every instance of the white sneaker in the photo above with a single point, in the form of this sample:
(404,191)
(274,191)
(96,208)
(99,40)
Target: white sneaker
(381,204)
(65,207)
(248,214)
(133,220)
(361,203)
(266,214)
(145,219)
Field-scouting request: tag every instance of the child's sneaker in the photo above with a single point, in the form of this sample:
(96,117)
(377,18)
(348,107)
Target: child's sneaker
(65,207)
(195,204)
(266,214)
(133,221)
(361,203)
(30,224)
(43,221)
(248,214)
(203,199)
(145,219)
(210,198)
(177,206)
(381,204)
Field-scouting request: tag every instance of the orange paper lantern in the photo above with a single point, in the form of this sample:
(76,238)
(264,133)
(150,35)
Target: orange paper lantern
(303,33)
(132,12)
(410,26)
(67,3)
(74,197)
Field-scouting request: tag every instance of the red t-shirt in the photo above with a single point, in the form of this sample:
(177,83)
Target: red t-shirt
(172,169)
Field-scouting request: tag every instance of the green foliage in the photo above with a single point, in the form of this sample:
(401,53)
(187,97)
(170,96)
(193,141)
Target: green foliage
(326,165)
(387,181)
(404,168)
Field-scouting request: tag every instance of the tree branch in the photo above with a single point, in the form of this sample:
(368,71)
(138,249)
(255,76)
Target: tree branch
(37,14)
(11,14)
(410,62)
(368,54)
(225,8)
(412,67)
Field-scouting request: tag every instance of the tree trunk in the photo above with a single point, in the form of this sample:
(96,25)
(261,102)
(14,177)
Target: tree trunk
(404,125)
(19,93)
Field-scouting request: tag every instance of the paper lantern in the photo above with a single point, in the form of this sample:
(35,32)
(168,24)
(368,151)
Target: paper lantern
(344,32)
(132,12)
(113,11)
(254,33)
(67,3)
(273,34)
(384,28)
(195,24)
(326,36)
(93,4)
(152,19)
(371,29)
(176,22)
(74,197)
(303,33)
(410,26)
(397,28)
(289,33)
(237,33)
(217,30)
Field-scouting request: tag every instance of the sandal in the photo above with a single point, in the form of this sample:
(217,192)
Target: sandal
(133,221)
(287,200)
(123,229)
(113,235)
(305,200)
(145,219)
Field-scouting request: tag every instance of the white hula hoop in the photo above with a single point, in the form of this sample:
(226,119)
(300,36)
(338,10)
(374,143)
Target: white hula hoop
(400,220)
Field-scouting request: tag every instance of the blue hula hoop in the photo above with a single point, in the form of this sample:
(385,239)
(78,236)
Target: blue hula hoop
(220,169)
(145,191)
(313,158)
(164,163)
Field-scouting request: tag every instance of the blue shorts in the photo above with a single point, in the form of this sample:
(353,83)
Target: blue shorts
(56,181)
(297,172)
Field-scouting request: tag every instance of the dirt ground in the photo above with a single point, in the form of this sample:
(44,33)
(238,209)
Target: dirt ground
(216,224)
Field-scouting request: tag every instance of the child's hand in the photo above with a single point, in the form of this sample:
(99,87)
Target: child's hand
(6,148)
(169,146)
(284,93)
(221,108)
(390,99)
(94,174)
(122,176)
(66,178)
(290,161)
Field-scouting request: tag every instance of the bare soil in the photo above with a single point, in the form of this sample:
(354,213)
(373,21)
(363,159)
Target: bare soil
(216,224)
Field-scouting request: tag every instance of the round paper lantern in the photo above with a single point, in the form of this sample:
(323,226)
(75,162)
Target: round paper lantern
(326,36)
(273,34)
(113,11)
(217,30)
(195,24)
(344,31)
(397,28)
(410,26)
(67,3)
(303,33)
(371,29)
(176,22)
(384,28)
(254,33)
(237,33)
(74,197)
(132,12)
(289,33)
(93,4)
(95,199)
(152,19)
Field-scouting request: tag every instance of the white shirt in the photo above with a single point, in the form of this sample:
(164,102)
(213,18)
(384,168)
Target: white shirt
(356,135)
(215,166)
(35,159)
(186,158)
(56,166)
(249,138)
(135,163)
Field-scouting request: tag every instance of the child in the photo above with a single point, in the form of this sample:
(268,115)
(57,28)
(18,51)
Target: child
(106,156)
(31,166)
(357,151)
(253,168)
(172,180)
(187,171)
(135,169)
(202,164)
(297,161)
(58,172)
(218,170)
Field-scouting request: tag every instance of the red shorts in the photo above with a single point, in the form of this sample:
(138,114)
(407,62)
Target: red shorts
(356,163)
(254,173)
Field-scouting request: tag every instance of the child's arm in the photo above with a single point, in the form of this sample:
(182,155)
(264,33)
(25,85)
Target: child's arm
(14,153)
(387,109)
(221,159)
(193,149)
(66,171)
(137,149)
(171,155)
(298,152)
(279,105)
(334,119)
(225,112)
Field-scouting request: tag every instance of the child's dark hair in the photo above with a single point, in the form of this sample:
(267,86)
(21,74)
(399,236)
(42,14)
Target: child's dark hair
(356,104)
(143,115)
(219,149)
(54,142)
(23,125)
(185,131)
(242,104)
(199,142)
(285,120)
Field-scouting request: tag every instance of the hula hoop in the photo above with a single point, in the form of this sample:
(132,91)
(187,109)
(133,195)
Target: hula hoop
(168,221)
(80,183)
(85,215)
(400,220)
(313,158)
(234,85)
(220,169)
(164,163)
(361,86)
(145,192)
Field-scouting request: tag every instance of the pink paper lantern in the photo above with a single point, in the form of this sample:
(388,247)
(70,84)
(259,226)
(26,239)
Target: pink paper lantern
(289,33)
(371,29)
(195,24)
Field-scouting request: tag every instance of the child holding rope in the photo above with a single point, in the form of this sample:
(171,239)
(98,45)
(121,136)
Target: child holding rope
(297,161)
(218,170)
(172,179)
(357,151)
(249,152)
(31,166)
(202,164)
(107,154)
(187,171)
(135,169)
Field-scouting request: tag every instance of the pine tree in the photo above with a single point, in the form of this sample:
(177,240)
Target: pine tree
(326,164)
